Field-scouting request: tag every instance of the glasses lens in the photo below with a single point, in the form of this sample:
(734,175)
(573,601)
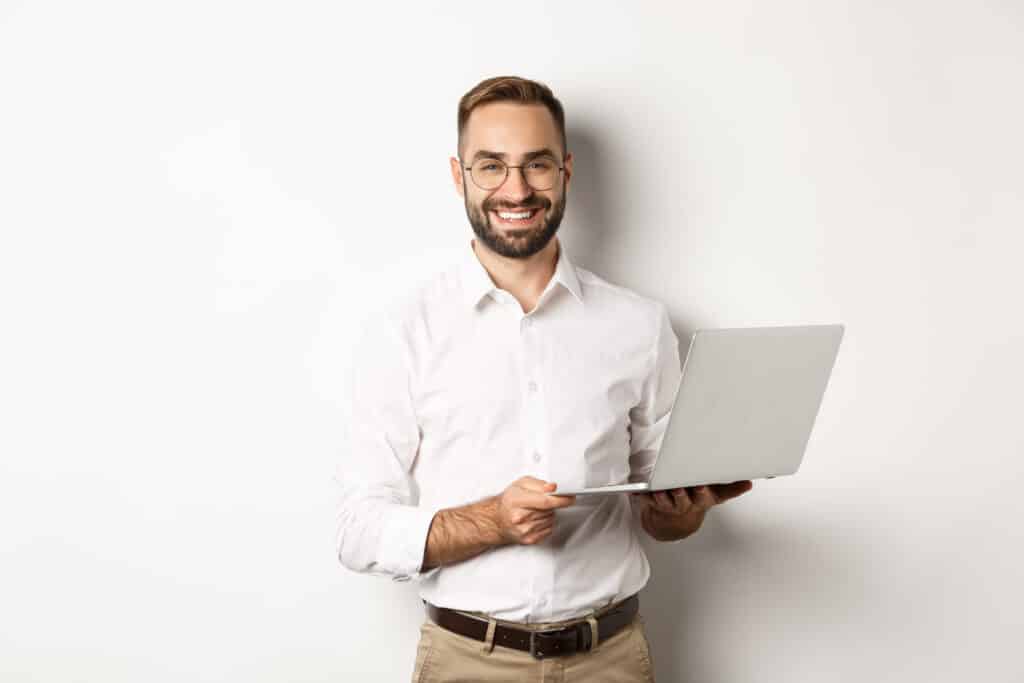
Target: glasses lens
(489,173)
(540,173)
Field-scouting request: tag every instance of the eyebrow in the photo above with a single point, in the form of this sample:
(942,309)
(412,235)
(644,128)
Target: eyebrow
(487,154)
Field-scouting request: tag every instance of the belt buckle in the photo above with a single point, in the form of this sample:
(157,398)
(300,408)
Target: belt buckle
(570,635)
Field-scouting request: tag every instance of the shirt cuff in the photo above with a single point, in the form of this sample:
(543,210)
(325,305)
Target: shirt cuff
(403,541)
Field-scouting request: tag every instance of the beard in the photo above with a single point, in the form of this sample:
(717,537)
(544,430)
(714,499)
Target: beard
(519,244)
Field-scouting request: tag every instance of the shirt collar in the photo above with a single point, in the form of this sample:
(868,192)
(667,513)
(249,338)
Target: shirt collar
(476,281)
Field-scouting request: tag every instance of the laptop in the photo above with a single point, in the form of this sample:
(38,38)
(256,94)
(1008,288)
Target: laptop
(744,407)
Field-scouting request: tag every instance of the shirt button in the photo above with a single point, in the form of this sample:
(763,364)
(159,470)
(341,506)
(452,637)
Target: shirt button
(527,322)
(533,386)
(542,602)
(536,456)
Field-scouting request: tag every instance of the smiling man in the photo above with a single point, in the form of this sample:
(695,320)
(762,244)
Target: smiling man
(518,221)
(510,372)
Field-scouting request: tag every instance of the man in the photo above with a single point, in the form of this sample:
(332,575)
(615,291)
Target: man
(507,374)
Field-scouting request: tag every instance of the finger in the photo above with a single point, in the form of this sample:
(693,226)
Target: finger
(547,502)
(539,531)
(550,490)
(543,524)
(525,519)
(724,492)
(538,515)
(642,500)
(558,502)
(537,537)
(535,484)
(663,503)
(683,499)
(704,498)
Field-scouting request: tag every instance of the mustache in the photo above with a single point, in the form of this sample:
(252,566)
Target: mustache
(501,206)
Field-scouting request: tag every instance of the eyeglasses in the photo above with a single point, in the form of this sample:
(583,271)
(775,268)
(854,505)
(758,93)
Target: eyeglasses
(539,173)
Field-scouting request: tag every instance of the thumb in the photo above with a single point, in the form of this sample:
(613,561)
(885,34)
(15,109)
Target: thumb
(534,484)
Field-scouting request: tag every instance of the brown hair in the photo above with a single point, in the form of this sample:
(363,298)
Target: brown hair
(511,89)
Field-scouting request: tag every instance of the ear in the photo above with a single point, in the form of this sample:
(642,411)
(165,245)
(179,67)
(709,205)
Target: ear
(568,169)
(456,167)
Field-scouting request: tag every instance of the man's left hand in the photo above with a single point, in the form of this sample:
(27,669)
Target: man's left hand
(677,513)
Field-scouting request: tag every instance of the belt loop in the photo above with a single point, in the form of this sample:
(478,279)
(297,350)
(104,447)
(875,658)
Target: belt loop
(593,630)
(489,639)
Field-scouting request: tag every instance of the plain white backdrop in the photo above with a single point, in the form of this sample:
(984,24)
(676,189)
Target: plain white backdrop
(200,202)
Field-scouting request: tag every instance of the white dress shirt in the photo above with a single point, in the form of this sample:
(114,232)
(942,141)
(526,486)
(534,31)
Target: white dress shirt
(456,393)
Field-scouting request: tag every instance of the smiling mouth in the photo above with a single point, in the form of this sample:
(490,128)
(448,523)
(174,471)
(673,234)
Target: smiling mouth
(516,218)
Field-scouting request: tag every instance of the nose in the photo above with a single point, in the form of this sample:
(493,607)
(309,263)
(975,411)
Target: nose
(515,188)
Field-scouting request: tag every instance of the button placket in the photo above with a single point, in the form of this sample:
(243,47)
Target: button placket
(530,436)
(529,355)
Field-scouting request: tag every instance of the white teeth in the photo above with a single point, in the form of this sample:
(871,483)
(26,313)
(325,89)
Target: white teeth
(512,216)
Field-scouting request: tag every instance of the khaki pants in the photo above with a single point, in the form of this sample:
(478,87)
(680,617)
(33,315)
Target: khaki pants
(446,657)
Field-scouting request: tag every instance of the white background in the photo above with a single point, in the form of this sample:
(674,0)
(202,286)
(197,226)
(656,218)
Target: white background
(199,202)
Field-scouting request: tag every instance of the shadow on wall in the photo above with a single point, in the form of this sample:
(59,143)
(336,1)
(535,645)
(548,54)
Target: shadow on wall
(598,214)
(702,588)
(592,213)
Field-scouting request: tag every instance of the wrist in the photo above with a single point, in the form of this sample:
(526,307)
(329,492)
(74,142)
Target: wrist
(490,521)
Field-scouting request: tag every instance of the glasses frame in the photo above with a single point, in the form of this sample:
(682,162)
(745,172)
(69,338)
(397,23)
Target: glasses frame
(505,179)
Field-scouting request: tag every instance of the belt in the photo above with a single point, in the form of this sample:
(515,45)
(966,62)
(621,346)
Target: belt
(551,643)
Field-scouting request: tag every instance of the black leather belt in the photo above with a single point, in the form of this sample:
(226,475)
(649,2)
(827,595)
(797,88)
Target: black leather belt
(552,643)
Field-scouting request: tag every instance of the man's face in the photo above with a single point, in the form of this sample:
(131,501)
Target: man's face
(512,133)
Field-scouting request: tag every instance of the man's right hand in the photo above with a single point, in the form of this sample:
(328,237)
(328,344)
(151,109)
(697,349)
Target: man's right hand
(526,513)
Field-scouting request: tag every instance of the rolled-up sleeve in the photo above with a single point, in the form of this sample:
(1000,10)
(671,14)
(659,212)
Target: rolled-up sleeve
(649,418)
(381,529)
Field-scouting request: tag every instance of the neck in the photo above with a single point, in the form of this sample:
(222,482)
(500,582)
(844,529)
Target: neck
(525,279)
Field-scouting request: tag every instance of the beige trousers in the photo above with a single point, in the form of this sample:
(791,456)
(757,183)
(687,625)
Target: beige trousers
(446,657)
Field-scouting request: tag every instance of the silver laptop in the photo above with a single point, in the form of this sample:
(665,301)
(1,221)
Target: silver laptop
(744,407)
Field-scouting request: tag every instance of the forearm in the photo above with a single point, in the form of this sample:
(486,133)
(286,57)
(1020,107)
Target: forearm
(457,534)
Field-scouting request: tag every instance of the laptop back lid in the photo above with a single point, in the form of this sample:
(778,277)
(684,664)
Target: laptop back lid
(746,403)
